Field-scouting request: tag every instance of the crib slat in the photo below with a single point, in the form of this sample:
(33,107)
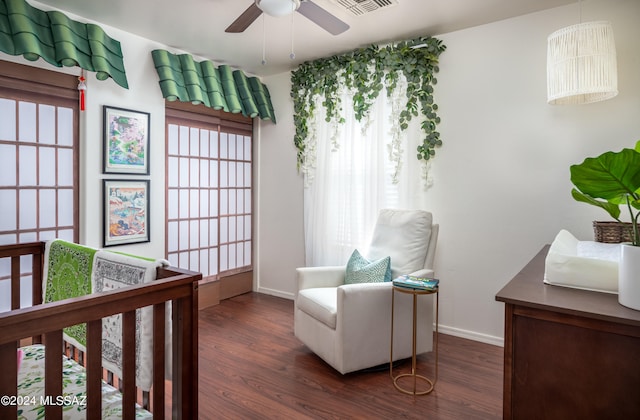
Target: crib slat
(53,373)
(8,379)
(128,365)
(94,369)
(15,282)
(158,360)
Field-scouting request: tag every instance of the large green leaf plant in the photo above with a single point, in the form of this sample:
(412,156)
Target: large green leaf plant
(610,181)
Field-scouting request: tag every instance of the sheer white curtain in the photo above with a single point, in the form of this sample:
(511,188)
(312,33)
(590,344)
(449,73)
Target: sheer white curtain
(353,179)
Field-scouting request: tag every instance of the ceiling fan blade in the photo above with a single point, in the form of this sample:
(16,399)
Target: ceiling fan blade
(245,19)
(322,18)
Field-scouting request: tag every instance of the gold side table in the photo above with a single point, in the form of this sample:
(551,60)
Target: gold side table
(414,374)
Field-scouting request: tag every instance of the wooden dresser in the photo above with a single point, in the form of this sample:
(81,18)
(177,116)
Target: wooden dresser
(568,353)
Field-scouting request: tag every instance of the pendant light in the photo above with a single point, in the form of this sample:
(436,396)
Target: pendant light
(581,64)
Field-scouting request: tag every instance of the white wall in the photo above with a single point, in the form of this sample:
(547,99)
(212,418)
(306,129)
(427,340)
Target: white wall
(501,180)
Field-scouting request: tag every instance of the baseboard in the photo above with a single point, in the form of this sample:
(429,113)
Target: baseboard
(276,293)
(472,335)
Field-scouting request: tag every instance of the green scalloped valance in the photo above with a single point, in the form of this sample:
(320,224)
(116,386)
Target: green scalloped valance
(52,36)
(221,88)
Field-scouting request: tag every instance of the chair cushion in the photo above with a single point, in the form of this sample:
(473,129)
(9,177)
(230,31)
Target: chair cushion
(361,270)
(404,236)
(319,303)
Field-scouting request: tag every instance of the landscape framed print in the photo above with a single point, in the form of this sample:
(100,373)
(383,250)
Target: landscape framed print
(126,211)
(125,141)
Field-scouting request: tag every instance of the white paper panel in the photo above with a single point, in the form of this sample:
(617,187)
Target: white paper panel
(204,262)
(27,168)
(224,230)
(213,172)
(247,148)
(65,207)
(223,145)
(247,175)
(204,203)
(204,173)
(247,201)
(7,239)
(184,141)
(224,258)
(247,253)
(224,202)
(7,210)
(194,180)
(213,261)
(5,268)
(47,208)
(173,134)
(173,260)
(7,163)
(194,203)
(65,167)
(194,261)
(183,260)
(232,201)
(204,233)
(184,172)
(46,124)
(213,203)
(240,202)
(232,174)
(47,160)
(240,148)
(65,127)
(26,291)
(204,143)
(172,237)
(172,212)
(240,175)
(239,254)
(232,257)
(232,229)
(224,174)
(213,231)
(194,234)
(28,209)
(64,234)
(194,142)
(27,121)
(7,119)
(247,227)
(5,295)
(172,172)
(32,237)
(183,235)
(213,141)
(232,146)
(183,204)
(240,228)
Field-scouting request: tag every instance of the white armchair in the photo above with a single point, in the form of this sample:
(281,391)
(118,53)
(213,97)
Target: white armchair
(349,325)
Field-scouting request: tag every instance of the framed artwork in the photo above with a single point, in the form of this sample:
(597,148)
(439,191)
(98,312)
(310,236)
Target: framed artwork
(126,211)
(125,141)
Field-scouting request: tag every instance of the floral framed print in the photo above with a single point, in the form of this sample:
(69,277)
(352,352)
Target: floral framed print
(126,211)
(125,141)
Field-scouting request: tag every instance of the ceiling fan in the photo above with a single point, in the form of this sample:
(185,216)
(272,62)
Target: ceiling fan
(307,8)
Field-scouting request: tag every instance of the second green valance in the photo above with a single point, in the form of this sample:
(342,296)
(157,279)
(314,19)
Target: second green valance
(184,79)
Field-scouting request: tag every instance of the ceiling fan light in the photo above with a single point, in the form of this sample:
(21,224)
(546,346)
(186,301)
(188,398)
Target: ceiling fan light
(278,7)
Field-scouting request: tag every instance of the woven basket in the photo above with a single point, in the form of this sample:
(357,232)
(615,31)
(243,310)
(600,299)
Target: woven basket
(613,232)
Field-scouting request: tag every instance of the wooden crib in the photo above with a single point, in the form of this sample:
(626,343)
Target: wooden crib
(43,323)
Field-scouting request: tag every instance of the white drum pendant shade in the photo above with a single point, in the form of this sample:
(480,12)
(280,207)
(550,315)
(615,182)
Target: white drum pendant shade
(581,64)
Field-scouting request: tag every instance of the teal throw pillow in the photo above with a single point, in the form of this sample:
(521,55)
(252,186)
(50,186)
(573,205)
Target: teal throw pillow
(361,270)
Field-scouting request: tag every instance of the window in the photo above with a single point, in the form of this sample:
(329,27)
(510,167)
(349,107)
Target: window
(209,195)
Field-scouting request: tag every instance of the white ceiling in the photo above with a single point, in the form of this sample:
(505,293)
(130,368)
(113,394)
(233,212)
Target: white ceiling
(197,26)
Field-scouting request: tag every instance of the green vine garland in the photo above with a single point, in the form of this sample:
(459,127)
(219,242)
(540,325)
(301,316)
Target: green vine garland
(368,70)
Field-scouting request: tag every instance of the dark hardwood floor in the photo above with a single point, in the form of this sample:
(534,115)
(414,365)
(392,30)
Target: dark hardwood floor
(252,367)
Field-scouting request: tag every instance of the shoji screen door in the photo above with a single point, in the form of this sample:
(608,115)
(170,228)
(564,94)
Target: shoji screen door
(209,200)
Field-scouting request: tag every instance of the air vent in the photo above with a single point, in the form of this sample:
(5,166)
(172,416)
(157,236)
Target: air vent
(361,7)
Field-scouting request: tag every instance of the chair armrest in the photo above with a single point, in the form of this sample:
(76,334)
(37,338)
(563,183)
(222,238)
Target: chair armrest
(328,276)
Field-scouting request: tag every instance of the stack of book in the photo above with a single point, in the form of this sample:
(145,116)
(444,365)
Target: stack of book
(412,282)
